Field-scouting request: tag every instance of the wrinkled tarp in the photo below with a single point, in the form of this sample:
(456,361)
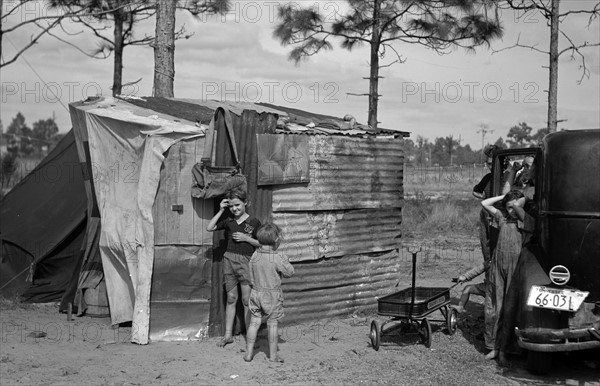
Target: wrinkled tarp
(126,153)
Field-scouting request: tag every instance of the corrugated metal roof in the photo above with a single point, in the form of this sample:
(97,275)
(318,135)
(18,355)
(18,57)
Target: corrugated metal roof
(180,109)
(301,115)
(236,108)
(201,110)
(330,288)
(312,235)
(326,131)
(347,173)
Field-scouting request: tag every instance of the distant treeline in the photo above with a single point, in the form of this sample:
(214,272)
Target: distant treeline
(23,147)
(447,151)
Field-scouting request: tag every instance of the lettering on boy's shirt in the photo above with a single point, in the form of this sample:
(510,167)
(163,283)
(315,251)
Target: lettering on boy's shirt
(248,228)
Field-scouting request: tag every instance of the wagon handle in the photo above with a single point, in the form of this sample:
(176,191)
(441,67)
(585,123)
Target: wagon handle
(414,274)
(414,251)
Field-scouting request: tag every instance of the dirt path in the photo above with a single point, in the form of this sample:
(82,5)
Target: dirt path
(89,351)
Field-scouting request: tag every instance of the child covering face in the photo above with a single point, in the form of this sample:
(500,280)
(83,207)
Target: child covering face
(504,260)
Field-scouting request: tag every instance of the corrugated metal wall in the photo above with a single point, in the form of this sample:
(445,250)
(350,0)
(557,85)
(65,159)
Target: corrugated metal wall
(342,229)
(312,235)
(333,287)
(352,203)
(347,173)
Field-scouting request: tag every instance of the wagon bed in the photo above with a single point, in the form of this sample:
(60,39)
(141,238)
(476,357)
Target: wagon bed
(427,300)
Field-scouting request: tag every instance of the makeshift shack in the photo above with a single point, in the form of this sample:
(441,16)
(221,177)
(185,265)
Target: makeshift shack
(334,186)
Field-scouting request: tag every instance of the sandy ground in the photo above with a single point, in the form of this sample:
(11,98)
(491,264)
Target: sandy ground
(39,346)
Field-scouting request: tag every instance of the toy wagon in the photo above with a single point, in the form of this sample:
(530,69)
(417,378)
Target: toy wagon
(410,307)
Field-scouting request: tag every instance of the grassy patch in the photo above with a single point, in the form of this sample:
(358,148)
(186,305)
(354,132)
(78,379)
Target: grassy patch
(450,216)
(454,180)
(13,302)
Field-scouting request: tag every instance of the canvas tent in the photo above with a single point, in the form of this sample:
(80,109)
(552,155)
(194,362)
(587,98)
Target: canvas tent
(162,269)
(42,225)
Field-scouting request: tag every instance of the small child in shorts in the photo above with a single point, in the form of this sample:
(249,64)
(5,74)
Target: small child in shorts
(267,266)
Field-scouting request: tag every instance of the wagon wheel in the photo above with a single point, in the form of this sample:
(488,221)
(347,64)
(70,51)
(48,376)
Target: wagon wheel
(425,332)
(451,321)
(375,334)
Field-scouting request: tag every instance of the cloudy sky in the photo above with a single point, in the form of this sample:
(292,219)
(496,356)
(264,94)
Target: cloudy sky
(237,58)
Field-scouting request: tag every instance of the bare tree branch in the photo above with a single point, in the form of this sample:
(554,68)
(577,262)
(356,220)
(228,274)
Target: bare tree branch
(364,94)
(575,49)
(53,22)
(398,56)
(91,55)
(592,12)
(518,44)
(95,30)
(32,41)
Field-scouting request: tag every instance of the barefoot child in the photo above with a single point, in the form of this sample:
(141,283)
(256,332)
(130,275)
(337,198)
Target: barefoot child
(240,232)
(266,299)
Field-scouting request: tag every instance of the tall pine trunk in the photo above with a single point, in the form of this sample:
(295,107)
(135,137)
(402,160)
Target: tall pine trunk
(374,67)
(164,49)
(118,54)
(553,69)
(374,86)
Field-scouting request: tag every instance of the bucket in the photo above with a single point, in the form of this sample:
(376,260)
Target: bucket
(97,301)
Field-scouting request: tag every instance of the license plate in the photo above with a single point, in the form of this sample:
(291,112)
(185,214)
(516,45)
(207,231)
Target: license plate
(554,298)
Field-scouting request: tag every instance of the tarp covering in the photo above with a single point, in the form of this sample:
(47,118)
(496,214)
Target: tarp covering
(126,148)
(41,218)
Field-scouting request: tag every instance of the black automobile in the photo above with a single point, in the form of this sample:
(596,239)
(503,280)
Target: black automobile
(555,294)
